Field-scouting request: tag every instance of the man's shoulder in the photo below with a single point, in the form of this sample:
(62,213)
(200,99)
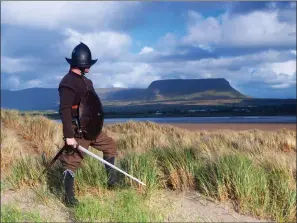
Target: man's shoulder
(89,80)
(67,81)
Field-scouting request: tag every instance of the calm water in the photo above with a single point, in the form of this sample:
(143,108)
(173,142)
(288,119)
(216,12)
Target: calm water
(227,119)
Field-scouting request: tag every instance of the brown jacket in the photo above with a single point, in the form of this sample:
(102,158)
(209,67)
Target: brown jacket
(71,89)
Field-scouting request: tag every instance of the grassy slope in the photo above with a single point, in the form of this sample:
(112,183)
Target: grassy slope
(253,169)
(11,213)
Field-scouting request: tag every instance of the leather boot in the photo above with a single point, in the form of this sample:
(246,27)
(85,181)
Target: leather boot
(111,173)
(70,199)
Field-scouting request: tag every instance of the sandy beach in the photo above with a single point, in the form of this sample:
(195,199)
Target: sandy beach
(233,126)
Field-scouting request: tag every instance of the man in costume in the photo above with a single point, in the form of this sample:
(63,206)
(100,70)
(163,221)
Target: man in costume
(82,118)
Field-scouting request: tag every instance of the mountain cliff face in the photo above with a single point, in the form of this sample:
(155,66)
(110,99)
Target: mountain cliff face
(160,90)
(176,87)
(192,89)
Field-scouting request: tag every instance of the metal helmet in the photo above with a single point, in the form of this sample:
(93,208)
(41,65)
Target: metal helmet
(81,57)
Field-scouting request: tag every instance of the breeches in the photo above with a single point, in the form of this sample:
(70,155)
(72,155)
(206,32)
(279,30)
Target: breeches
(71,158)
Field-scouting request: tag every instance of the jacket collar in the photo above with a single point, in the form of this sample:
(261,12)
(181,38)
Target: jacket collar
(75,74)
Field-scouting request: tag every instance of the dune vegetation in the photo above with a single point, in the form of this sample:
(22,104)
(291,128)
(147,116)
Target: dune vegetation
(255,170)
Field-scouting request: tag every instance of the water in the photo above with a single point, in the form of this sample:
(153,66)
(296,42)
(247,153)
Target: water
(224,119)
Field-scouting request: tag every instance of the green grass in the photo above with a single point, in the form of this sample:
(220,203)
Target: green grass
(25,171)
(252,188)
(11,213)
(91,174)
(126,206)
(145,168)
(282,204)
(177,166)
(257,189)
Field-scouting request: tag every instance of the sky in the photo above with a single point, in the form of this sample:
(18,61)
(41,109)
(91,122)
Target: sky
(250,44)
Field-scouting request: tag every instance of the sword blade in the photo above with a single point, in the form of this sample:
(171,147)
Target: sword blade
(107,163)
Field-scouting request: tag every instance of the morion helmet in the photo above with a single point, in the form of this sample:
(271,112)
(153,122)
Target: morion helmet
(81,57)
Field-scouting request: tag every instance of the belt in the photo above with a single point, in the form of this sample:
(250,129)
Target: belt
(74,107)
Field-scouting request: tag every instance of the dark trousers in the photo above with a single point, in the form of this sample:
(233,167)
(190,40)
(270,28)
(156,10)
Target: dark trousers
(71,158)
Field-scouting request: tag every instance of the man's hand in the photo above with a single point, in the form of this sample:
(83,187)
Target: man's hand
(71,142)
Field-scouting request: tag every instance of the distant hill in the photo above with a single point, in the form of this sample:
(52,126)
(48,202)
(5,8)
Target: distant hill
(161,91)
(30,99)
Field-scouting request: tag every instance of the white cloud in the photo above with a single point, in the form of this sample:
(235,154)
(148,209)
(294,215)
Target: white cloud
(146,50)
(284,85)
(15,65)
(202,30)
(103,45)
(118,85)
(33,83)
(256,29)
(66,14)
(276,75)
(168,41)
(288,67)
(138,75)
(270,68)
(12,83)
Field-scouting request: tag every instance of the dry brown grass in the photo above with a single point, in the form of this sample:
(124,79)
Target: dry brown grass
(11,148)
(278,148)
(44,135)
(37,133)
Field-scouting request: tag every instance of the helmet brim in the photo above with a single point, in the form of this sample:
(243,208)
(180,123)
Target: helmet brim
(82,65)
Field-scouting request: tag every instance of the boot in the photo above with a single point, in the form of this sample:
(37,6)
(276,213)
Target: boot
(111,173)
(70,199)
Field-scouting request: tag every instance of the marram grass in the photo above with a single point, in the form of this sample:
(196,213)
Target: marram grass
(256,170)
(10,213)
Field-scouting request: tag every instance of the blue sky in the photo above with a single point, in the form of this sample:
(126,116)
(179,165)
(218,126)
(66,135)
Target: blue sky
(250,44)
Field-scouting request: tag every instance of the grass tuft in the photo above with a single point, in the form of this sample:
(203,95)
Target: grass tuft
(252,188)
(11,213)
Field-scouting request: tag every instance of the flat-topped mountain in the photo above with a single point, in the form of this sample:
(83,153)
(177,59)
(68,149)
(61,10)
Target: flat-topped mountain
(217,88)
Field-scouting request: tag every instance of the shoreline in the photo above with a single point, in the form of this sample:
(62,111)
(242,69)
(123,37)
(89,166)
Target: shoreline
(229,126)
(235,127)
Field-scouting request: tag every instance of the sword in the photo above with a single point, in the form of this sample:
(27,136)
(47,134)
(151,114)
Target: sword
(107,163)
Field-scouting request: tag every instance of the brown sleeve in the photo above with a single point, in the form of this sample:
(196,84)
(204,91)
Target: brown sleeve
(66,101)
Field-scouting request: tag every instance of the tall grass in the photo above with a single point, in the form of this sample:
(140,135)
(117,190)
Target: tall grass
(252,188)
(91,175)
(145,168)
(11,213)
(11,148)
(256,170)
(40,133)
(177,166)
(25,171)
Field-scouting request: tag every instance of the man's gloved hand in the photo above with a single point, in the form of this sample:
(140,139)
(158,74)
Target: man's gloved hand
(71,142)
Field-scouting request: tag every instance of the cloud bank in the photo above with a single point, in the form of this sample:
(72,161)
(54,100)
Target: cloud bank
(251,44)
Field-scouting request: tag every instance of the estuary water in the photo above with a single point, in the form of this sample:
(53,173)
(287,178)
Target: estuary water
(223,119)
